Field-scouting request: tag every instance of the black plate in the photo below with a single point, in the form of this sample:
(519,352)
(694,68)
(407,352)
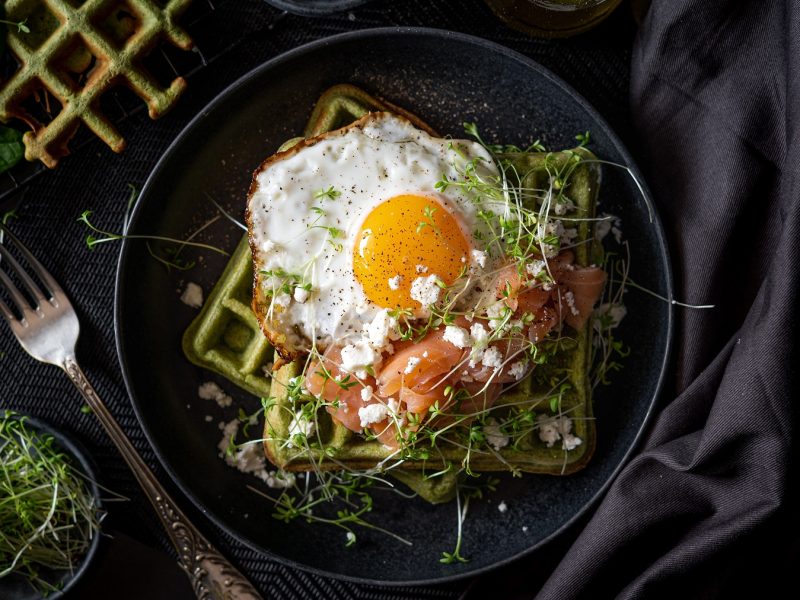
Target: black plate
(17,587)
(446,78)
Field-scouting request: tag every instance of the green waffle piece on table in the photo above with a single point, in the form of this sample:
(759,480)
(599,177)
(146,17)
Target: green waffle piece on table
(72,53)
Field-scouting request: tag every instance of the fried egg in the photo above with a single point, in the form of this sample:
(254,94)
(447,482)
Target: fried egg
(348,226)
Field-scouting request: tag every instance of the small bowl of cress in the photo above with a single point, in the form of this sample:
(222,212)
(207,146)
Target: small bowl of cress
(50,510)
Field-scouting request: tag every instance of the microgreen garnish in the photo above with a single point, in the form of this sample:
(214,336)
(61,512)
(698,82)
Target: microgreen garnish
(429,211)
(21,26)
(334,233)
(48,515)
(172,254)
(9,215)
(328,194)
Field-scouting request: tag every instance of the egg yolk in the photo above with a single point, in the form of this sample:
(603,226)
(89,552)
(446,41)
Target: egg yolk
(403,238)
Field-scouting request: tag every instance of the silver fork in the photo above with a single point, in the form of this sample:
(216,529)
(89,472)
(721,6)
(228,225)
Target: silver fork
(47,328)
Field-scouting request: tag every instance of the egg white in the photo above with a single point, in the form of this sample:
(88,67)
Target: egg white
(367,163)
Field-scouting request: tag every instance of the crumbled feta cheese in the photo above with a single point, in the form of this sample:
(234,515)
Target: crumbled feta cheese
(425,354)
(568,235)
(547,430)
(571,442)
(192,295)
(355,357)
(535,268)
(300,424)
(518,369)
(569,297)
(366,392)
(394,282)
(249,458)
(602,227)
(281,299)
(209,418)
(422,269)
(494,436)
(553,228)
(211,391)
(425,290)
(372,413)
(458,336)
(495,312)
(563,207)
(381,329)
(502,507)
(608,316)
(524,529)
(479,334)
(617,232)
(393,406)
(300,294)
(492,357)
(268,246)
(553,429)
(475,356)
(412,363)
(479,257)
(608,223)
(278,479)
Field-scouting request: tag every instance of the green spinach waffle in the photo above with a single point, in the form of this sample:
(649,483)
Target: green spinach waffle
(71,53)
(225,338)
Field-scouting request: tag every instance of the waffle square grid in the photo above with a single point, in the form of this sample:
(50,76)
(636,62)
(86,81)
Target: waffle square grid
(225,337)
(77,50)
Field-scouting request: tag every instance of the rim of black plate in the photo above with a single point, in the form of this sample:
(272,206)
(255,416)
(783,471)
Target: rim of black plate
(311,47)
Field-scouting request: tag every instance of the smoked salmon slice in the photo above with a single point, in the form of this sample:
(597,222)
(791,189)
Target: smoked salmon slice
(586,285)
(420,364)
(326,379)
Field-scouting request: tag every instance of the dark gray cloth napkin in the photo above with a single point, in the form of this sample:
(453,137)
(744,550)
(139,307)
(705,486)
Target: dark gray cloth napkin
(709,507)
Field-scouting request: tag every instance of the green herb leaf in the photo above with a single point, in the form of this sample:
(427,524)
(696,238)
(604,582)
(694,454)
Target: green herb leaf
(12,150)
(330,194)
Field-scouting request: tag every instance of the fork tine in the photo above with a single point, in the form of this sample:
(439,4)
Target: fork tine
(6,311)
(38,268)
(32,286)
(19,300)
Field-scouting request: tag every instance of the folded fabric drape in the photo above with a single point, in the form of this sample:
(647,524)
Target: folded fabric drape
(703,510)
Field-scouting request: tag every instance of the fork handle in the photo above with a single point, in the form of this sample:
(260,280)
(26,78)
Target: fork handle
(212,576)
